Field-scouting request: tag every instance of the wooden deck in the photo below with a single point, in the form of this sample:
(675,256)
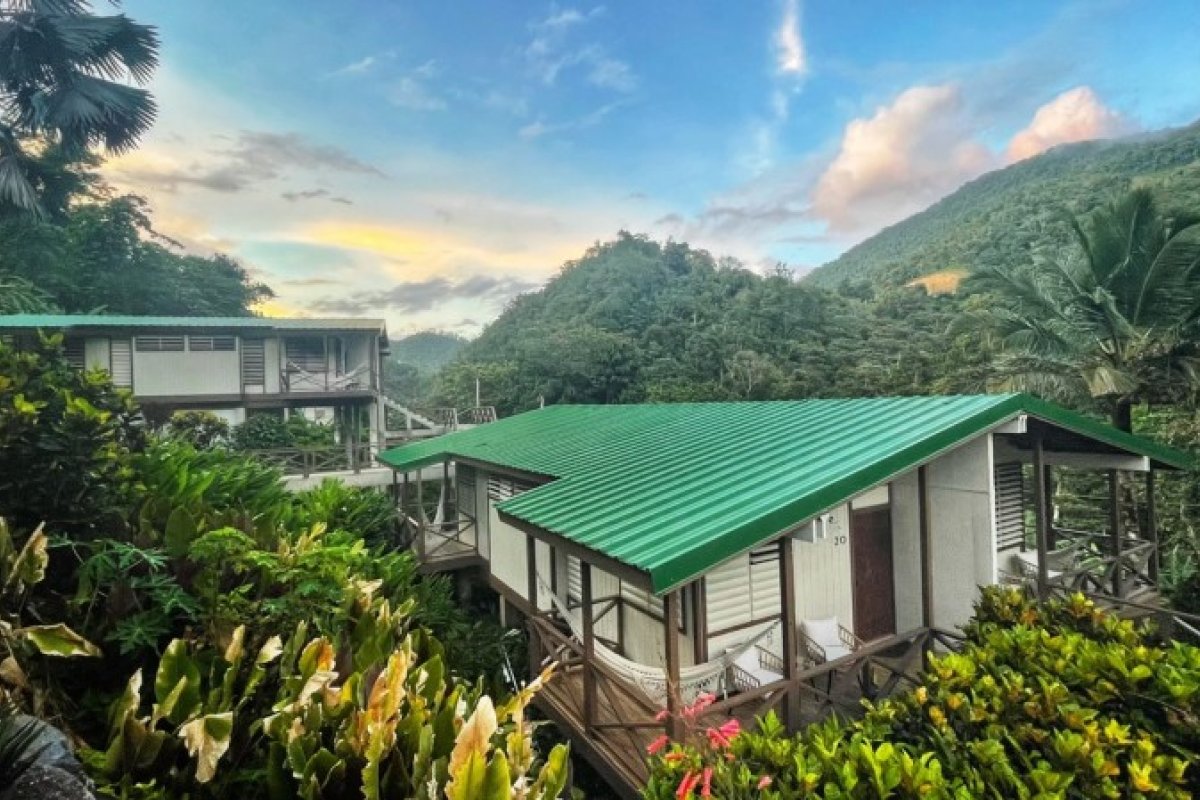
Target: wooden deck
(613,730)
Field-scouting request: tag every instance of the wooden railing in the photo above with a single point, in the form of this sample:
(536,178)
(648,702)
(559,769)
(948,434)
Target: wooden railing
(327,458)
(619,719)
(450,539)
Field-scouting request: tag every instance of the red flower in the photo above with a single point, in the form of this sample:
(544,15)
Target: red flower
(686,785)
(658,744)
(706,783)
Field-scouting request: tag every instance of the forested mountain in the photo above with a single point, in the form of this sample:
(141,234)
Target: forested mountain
(415,360)
(999,218)
(637,320)
(427,350)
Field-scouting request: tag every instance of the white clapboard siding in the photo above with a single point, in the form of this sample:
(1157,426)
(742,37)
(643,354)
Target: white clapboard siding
(726,597)
(1010,510)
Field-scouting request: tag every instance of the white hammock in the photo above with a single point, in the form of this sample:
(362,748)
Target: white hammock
(693,680)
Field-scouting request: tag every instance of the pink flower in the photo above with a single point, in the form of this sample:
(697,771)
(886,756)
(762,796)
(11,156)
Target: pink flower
(658,744)
(686,785)
(706,783)
(764,782)
(662,715)
(731,729)
(716,738)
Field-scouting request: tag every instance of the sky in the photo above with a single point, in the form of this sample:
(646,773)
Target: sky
(427,161)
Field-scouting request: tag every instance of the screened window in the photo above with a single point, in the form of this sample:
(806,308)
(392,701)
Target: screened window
(159,344)
(306,353)
(204,344)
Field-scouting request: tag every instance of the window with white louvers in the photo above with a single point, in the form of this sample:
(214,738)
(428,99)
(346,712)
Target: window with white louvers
(1010,506)
(74,350)
(120,357)
(743,589)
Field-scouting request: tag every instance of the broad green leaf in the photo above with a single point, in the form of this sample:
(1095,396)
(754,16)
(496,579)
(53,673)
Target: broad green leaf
(176,665)
(58,640)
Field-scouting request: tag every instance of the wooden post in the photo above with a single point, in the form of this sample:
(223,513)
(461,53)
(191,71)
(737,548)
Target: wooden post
(671,634)
(791,645)
(531,568)
(535,663)
(1041,516)
(926,534)
(1114,522)
(445,496)
(1152,526)
(589,648)
(700,610)
(420,517)
(1051,533)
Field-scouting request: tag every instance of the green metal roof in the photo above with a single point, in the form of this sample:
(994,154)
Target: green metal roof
(66,321)
(676,489)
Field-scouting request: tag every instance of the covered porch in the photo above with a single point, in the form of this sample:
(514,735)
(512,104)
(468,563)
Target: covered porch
(1075,514)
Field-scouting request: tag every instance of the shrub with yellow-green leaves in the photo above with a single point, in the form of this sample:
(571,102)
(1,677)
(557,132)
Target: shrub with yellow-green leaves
(376,716)
(1054,701)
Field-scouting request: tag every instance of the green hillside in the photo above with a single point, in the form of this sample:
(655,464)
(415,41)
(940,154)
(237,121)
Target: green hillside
(428,351)
(998,218)
(637,320)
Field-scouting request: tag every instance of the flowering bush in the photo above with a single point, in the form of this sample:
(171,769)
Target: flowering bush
(1059,701)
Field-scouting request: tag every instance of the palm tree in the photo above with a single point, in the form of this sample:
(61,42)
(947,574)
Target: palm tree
(65,79)
(1112,320)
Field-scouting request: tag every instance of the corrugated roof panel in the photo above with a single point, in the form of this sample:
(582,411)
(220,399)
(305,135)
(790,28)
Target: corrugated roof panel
(59,321)
(674,489)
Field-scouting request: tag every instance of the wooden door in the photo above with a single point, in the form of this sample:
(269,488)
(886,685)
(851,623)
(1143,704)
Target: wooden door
(874,582)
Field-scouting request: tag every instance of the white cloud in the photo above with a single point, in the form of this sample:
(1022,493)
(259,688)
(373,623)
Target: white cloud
(791,58)
(356,67)
(1074,116)
(413,91)
(903,157)
(539,127)
(554,49)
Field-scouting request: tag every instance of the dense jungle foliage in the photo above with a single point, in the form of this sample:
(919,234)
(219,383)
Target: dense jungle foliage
(1058,701)
(205,632)
(1000,218)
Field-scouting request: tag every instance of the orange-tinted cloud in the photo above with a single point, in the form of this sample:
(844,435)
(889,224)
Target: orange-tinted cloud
(900,159)
(1074,116)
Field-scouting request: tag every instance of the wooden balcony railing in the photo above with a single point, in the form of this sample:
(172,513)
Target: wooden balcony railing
(308,460)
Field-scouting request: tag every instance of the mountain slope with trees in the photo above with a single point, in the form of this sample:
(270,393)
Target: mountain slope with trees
(999,219)
(638,320)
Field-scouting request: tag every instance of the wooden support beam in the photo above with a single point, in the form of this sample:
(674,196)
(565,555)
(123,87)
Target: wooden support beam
(1041,516)
(671,618)
(700,612)
(1051,533)
(445,496)
(791,645)
(1151,532)
(531,569)
(1114,522)
(589,649)
(926,535)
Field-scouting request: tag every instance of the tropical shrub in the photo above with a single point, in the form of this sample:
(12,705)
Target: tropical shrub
(367,513)
(266,431)
(129,597)
(201,429)
(22,643)
(188,491)
(373,715)
(1059,701)
(65,436)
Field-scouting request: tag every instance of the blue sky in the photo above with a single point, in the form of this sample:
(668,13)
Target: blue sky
(425,161)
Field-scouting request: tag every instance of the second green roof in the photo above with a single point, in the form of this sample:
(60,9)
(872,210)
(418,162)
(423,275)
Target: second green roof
(675,489)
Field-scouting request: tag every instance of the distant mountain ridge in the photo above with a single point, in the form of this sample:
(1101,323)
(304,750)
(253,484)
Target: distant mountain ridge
(1000,217)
